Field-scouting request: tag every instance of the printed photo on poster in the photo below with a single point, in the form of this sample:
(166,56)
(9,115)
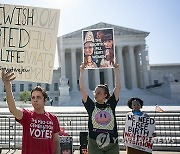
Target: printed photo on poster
(28,41)
(98,48)
(66,144)
(138,132)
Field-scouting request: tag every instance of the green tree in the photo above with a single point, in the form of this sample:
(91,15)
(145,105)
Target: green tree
(25,96)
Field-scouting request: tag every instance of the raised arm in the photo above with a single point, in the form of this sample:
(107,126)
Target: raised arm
(82,84)
(7,78)
(117,81)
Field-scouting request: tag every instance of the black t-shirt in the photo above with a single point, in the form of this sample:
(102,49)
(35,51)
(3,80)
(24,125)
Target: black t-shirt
(102,119)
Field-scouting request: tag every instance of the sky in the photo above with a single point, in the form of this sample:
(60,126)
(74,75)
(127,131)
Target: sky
(161,18)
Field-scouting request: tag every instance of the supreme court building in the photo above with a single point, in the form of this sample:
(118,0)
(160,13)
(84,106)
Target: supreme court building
(135,72)
(130,52)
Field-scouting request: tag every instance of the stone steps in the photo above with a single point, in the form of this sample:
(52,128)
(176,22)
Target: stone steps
(148,97)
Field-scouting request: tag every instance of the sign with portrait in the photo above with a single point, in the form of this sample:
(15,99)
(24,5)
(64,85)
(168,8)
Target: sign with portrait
(66,144)
(28,41)
(138,132)
(98,48)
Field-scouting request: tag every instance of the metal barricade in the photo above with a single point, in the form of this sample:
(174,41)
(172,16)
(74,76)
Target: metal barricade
(167,129)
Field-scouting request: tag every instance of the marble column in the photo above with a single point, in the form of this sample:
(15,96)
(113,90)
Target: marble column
(121,67)
(64,97)
(133,67)
(63,70)
(110,79)
(139,70)
(61,57)
(74,70)
(144,66)
(97,77)
(2,87)
(86,79)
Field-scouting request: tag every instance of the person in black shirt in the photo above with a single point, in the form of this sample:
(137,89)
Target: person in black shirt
(103,135)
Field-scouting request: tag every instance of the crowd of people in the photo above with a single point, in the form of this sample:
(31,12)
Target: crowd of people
(41,129)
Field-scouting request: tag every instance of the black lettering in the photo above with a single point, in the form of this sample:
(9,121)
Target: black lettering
(11,34)
(23,32)
(18,16)
(8,18)
(11,56)
(30,15)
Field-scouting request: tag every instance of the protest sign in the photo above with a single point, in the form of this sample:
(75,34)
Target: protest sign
(98,48)
(66,144)
(138,132)
(28,41)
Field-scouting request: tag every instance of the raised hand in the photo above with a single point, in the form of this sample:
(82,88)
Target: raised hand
(115,65)
(82,66)
(7,77)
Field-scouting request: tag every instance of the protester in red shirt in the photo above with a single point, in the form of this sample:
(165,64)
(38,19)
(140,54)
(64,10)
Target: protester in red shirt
(40,128)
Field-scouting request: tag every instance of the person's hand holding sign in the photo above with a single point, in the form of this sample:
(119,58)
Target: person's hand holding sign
(7,77)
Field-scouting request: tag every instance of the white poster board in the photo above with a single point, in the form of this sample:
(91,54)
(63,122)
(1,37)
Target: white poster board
(98,48)
(138,132)
(28,41)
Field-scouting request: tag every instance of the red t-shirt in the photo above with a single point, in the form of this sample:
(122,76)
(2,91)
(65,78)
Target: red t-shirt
(38,130)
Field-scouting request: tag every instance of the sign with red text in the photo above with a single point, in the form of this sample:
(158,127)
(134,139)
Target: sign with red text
(138,132)
(28,41)
(98,48)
